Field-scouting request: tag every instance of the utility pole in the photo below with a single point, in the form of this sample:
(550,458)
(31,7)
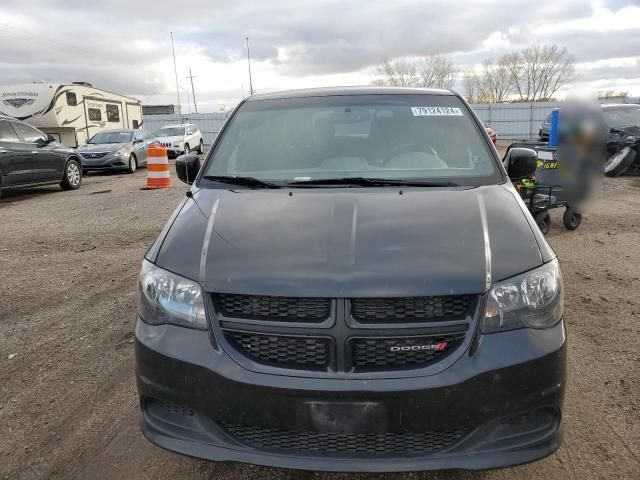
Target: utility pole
(193,91)
(249,64)
(175,70)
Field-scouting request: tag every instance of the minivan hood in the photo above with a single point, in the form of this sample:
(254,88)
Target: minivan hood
(351,242)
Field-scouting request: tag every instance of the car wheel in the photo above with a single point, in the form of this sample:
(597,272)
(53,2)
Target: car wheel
(201,147)
(187,149)
(72,175)
(571,219)
(619,162)
(543,219)
(133,163)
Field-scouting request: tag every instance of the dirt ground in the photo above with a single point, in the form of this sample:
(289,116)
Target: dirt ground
(68,407)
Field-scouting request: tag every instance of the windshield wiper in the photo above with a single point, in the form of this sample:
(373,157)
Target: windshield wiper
(243,181)
(370,182)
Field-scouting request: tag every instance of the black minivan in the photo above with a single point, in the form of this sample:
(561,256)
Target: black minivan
(353,284)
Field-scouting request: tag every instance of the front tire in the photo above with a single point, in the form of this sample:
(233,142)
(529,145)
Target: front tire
(543,219)
(571,219)
(72,175)
(619,162)
(133,164)
(201,147)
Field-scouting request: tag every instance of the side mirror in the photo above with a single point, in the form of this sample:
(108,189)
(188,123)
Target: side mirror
(50,139)
(187,167)
(520,163)
(137,140)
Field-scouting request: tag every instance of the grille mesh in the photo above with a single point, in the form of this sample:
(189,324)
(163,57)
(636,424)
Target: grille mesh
(284,351)
(373,444)
(391,353)
(409,309)
(272,308)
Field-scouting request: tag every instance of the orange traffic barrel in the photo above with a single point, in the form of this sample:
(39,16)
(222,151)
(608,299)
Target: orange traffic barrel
(158,175)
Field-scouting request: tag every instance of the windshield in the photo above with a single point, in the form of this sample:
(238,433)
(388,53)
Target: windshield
(622,117)
(170,132)
(111,137)
(404,137)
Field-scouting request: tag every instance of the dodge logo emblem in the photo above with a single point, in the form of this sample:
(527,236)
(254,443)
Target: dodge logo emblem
(434,347)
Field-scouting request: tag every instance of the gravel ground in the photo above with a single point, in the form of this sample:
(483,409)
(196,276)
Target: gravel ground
(68,407)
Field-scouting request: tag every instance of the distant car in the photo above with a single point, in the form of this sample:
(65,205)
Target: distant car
(545,127)
(180,139)
(29,158)
(116,150)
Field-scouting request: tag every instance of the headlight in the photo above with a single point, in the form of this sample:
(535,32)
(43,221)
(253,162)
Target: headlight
(164,297)
(177,144)
(119,153)
(532,300)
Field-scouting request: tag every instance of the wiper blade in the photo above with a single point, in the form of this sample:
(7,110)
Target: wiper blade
(243,181)
(370,182)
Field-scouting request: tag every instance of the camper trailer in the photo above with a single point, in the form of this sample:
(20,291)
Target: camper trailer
(71,112)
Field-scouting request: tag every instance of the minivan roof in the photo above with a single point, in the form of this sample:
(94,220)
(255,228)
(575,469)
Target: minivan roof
(334,91)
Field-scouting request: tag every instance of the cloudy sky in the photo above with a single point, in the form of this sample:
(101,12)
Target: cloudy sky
(124,45)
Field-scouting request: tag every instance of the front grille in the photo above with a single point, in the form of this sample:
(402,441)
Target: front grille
(371,353)
(409,309)
(94,155)
(373,444)
(263,307)
(309,353)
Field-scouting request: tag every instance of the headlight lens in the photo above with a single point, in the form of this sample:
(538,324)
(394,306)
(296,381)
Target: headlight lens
(532,300)
(119,153)
(164,297)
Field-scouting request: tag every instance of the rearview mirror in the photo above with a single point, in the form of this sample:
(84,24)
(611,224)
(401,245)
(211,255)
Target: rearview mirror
(187,167)
(520,163)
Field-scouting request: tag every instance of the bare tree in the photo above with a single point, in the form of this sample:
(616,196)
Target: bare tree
(538,72)
(398,73)
(496,85)
(435,71)
(471,84)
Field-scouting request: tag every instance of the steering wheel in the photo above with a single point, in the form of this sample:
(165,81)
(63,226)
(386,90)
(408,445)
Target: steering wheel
(406,148)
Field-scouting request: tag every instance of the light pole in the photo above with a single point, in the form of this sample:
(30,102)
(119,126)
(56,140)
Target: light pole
(188,100)
(249,64)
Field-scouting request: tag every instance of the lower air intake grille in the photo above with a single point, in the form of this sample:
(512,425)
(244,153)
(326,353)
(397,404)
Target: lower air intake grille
(373,444)
(411,352)
(307,353)
(409,309)
(272,308)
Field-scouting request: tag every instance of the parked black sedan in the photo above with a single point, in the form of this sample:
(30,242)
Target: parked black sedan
(29,158)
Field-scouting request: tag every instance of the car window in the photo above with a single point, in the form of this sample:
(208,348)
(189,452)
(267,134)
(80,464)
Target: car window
(28,134)
(191,130)
(7,133)
(147,136)
(622,117)
(373,136)
(111,137)
(170,132)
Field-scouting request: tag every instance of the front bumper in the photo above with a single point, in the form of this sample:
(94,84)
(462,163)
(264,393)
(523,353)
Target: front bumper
(108,163)
(506,398)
